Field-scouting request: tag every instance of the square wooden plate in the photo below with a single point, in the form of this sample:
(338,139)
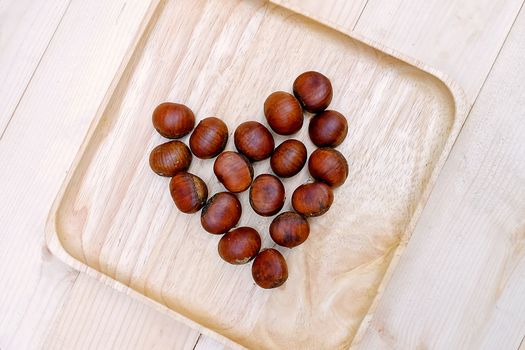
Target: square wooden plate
(115,219)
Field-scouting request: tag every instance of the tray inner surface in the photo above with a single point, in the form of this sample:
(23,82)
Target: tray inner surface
(223,58)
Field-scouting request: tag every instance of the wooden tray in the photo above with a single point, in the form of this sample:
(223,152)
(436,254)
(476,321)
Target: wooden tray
(115,220)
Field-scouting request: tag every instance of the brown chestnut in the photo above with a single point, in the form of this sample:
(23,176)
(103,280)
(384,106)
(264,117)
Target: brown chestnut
(269,269)
(254,140)
(313,90)
(328,165)
(188,191)
(170,158)
(234,171)
(173,120)
(220,213)
(289,229)
(288,158)
(283,113)
(209,138)
(267,195)
(328,129)
(312,199)
(240,245)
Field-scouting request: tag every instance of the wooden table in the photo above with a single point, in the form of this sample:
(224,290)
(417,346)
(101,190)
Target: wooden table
(461,281)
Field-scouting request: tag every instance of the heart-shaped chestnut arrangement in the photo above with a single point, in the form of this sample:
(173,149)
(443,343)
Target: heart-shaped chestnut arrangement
(254,142)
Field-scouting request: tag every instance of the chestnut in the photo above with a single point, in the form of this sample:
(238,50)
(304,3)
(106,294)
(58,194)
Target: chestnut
(313,90)
(220,213)
(269,269)
(312,199)
(188,191)
(209,138)
(283,113)
(173,120)
(328,165)
(254,140)
(170,158)
(240,245)
(289,229)
(267,195)
(234,171)
(288,158)
(328,129)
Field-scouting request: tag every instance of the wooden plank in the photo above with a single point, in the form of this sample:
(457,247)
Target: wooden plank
(461,282)
(336,12)
(460,38)
(96,316)
(26,27)
(90,46)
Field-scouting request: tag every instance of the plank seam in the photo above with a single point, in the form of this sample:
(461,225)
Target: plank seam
(196,342)
(359,17)
(495,59)
(34,72)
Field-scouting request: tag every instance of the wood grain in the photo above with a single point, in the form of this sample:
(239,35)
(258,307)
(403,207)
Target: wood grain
(32,291)
(207,343)
(37,149)
(91,309)
(460,38)
(463,274)
(117,218)
(26,27)
(338,13)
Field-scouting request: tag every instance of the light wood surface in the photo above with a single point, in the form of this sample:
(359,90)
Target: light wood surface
(400,330)
(463,274)
(26,28)
(39,285)
(344,14)
(117,217)
(36,151)
(90,310)
(205,343)
(461,38)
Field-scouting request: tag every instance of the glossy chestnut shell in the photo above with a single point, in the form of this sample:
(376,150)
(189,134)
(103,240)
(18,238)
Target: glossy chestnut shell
(173,120)
(289,229)
(254,140)
(312,199)
(269,269)
(267,195)
(240,245)
(283,113)
(328,165)
(170,158)
(188,191)
(313,90)
(209,138)
(220,213)
(234,171)
(288,158)
(328,129)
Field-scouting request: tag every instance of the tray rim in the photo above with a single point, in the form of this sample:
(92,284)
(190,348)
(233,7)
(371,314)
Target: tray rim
(461,108)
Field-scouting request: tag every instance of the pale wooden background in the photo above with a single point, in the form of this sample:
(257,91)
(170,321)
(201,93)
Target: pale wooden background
(461,281)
